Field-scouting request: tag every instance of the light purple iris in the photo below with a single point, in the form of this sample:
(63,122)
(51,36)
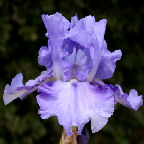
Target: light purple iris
(78,59)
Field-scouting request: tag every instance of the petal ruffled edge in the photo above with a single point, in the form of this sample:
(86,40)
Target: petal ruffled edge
(17,89)
(45,56)
(107,63)
(75,103)
(90,34)
(56,25)
(133,100)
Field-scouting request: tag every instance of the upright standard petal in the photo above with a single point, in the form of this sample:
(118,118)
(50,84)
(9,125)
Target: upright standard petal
(82,32)
(17,89)
(99,31)
(107,63)
(90,34)
(133,100)
(75,103)
(86,37)
(56,25)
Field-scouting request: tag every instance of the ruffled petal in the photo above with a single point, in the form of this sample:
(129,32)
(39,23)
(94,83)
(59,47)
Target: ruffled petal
(17,81)
(40,79)
(90,58)
(56,25)
(75,103)
(45,57)
(99,31)
(17,89)
(86,36)
(66,56)
(132,100)
(90,34)
(108,63)
(83,31)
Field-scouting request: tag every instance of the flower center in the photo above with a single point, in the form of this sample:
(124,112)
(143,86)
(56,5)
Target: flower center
(75,53)
(76,59)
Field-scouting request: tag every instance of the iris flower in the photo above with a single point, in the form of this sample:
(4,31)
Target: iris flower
(77,61)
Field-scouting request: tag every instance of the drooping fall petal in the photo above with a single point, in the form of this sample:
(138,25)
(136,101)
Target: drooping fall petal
(75,103)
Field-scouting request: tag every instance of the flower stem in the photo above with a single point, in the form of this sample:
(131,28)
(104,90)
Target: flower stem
(69,139)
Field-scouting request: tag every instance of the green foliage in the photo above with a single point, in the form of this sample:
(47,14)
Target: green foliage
(22,32)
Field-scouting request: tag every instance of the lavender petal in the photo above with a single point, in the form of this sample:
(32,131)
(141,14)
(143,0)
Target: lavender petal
(107,63)
(17,89)
(75,103)
(133,100)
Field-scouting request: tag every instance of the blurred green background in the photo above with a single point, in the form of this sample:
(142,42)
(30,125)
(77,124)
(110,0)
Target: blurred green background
(22,33)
